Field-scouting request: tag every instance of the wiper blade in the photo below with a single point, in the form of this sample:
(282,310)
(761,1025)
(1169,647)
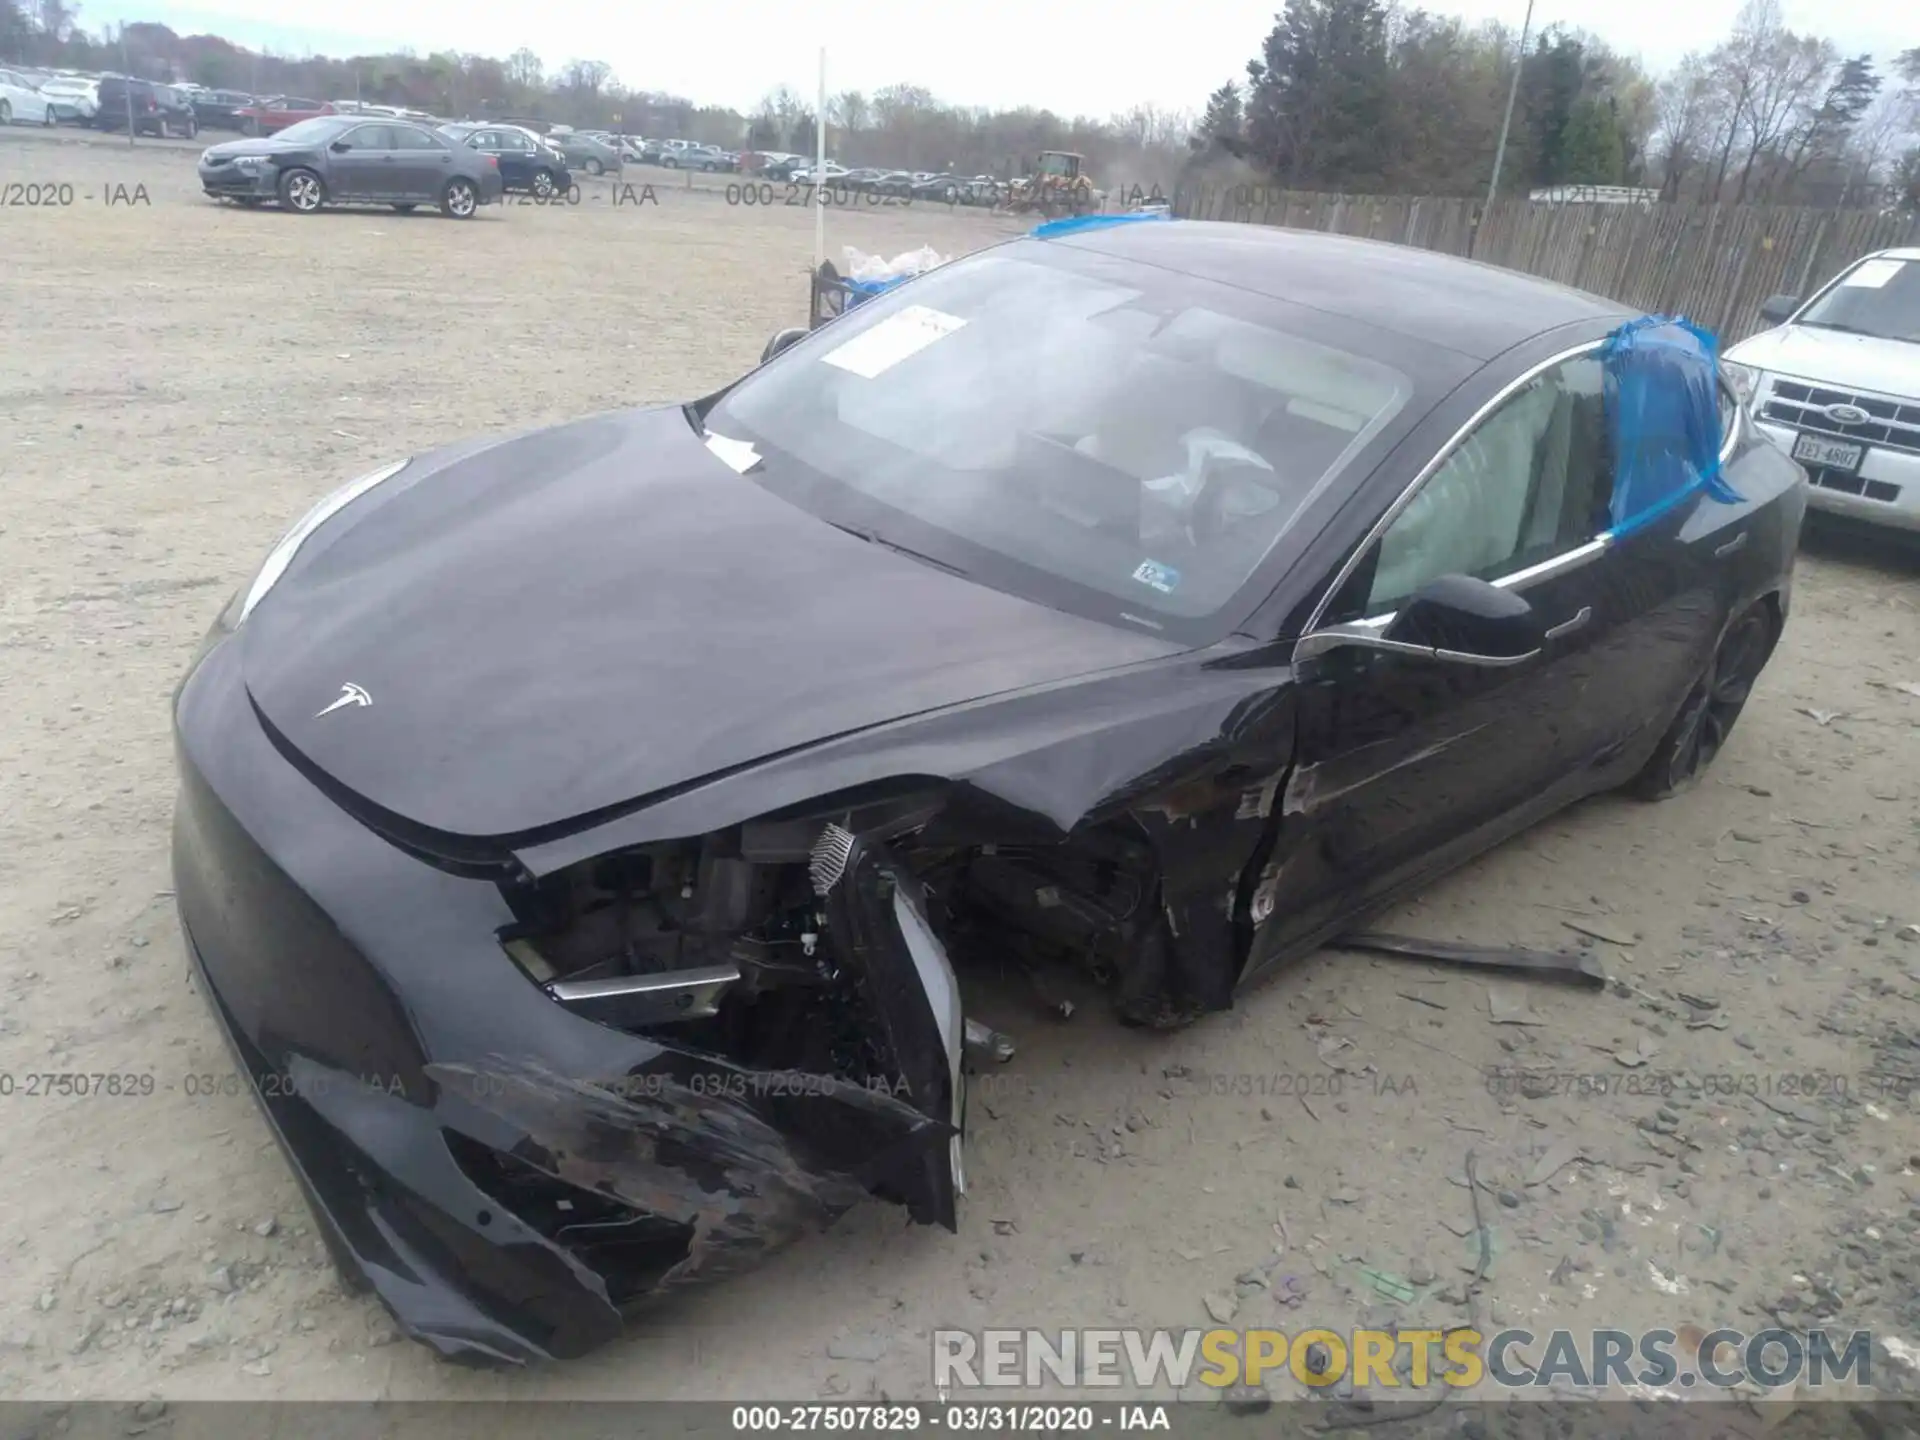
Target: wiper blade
(1843,329)
(873,537)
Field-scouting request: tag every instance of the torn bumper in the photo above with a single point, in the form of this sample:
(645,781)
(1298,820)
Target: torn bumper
(509,1177)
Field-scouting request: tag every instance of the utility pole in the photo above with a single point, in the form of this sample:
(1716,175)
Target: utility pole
(1506,121)
(127,66)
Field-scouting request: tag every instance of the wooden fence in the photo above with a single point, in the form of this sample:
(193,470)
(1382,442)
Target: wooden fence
(1716,264)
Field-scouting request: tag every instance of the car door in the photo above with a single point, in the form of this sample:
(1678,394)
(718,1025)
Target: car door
(362,165)
(423,163)
(1407,763)
(518,155)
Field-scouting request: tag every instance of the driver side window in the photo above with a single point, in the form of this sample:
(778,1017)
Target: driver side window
(1533,480)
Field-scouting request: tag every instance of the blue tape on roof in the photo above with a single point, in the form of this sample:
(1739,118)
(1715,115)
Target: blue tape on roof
(1074,224)
(1663,404)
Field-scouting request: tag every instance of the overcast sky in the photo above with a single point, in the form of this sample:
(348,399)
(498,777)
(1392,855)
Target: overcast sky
(1090,57)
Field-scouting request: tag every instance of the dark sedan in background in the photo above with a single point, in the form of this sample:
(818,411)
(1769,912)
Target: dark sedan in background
(528,164)
(352,160)
(221,109)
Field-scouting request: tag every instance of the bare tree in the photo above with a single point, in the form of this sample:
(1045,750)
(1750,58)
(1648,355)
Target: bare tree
(525,70)
(1685,115)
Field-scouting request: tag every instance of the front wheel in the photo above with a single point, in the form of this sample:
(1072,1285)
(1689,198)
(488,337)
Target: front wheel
(543,185)
(459,200)
(1712,706)
(302,192)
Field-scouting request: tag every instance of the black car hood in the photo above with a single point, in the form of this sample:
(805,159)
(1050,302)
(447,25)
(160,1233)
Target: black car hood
(565,621)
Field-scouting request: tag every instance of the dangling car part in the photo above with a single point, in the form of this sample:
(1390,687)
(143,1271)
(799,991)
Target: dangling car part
(586,838)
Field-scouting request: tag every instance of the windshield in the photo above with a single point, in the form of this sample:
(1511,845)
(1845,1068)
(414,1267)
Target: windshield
(307,132)
(1137,435)
(1878,297)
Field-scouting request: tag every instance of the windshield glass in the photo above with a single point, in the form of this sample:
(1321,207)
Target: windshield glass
(1877,297)
(306,132)
(1135,435)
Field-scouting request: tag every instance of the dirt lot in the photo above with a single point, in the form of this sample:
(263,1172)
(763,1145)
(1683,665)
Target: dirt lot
(180,380)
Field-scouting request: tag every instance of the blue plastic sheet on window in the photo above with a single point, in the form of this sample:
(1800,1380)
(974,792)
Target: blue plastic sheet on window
(1074,224)
(1663,404)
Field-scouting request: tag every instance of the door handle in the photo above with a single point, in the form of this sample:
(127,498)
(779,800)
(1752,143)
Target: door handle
(1733,545)
(1567,627)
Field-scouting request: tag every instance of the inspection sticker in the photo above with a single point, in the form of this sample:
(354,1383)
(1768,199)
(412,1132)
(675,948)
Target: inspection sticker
(740,454)
(907,332)
(1161,577)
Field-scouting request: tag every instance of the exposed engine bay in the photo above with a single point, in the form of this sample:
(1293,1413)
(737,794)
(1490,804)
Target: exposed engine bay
(770,945)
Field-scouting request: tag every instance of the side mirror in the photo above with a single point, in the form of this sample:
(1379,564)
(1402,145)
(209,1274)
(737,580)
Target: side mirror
(341,147)
(1460,618)
(1778,308)
(782,339)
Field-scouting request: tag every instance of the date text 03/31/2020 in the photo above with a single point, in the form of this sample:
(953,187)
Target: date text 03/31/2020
(963,1419)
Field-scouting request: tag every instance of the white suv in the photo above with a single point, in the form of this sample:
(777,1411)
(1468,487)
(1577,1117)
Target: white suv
(1837,385)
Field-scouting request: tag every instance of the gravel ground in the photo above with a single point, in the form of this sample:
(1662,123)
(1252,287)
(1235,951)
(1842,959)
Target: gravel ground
(180,380)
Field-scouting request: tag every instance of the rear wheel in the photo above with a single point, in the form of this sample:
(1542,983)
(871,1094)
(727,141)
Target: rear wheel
(1712,706)
(459,200)
(302,192)
(594,167)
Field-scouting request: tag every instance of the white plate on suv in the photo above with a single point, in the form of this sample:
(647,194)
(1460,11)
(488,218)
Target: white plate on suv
(1836,384)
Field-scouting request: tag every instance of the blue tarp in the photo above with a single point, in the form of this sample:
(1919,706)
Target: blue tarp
(1663,404)
(1073,224)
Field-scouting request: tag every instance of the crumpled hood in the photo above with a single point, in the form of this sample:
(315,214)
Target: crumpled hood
(1834,358)
(571,619)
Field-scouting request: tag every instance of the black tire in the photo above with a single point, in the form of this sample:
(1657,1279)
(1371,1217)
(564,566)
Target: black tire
(460,200)
(406,208)
(302,191)
(543,185)
(594,167)
(1712,706)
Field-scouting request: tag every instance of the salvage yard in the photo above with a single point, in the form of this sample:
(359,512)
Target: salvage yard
(1728,1135)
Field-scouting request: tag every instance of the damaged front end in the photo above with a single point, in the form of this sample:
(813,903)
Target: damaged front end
(789,965)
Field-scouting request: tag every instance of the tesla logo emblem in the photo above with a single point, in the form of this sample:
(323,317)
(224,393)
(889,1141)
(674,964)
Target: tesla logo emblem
(1846,414)
(350,694)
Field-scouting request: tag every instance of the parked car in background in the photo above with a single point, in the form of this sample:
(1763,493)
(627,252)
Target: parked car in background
(277,112)
(1836,384)
(177,115)
(833,174)
(74,98)
(353,160)
(21,102)
(898,183)
(121,96)
(584,152)
(941,189)
(528,122)
(699,157)
(220,109)
(528,164)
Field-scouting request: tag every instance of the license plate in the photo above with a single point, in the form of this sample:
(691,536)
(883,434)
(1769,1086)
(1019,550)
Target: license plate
(1833,454)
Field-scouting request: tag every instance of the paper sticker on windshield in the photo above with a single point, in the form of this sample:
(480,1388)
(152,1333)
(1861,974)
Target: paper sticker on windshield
(1874,273)
(878,349)
(1161,577)
(740,454)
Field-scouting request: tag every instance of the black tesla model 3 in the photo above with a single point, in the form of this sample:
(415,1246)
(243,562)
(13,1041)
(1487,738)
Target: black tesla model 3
(585,836)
